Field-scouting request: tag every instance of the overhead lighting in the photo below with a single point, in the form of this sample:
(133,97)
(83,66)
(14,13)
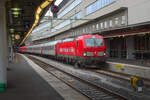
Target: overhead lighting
(16,9)
(36,21)
(13,42)
(16,16)
(34,25)
(38,11)
(12,35)
(15,13)
(17,37)
(18,22)
(12,30)
(45,4)
(19,32)
(37,17)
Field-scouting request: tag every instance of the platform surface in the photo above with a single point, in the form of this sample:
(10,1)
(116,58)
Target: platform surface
(25,84)
(136,62)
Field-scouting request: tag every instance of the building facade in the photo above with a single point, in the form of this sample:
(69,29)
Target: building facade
(125,25)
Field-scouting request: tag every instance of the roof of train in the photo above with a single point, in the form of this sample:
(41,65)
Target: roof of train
(65,40)
(23,47)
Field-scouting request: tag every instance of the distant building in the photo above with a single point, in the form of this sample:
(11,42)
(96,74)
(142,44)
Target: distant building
(125,25)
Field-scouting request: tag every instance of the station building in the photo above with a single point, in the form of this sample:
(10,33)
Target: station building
(125,25)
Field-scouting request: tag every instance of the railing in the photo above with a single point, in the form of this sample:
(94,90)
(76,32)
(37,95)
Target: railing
(140,57)
(138,54)
(142,54)
(118,53)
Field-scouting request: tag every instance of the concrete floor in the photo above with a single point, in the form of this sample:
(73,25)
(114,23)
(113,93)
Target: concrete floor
(67,92)
(25,84)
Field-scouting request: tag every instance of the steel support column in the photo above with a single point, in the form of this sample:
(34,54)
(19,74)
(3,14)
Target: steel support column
(3,48)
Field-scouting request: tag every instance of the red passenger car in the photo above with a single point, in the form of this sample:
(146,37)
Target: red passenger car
(23,49)
(83,50)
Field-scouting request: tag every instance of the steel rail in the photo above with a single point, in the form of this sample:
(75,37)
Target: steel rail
(111,74)
(109,92)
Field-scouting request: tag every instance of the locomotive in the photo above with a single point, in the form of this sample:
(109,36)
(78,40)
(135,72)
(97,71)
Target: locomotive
(81,51)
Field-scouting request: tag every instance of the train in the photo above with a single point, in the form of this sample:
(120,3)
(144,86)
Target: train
(81,51)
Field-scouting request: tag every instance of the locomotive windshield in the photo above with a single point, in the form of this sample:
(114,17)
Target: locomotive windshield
(94,42)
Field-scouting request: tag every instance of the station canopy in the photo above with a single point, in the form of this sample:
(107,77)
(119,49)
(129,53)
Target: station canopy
(23,16)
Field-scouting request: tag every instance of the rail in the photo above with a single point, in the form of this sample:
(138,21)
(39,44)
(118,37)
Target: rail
(94,87)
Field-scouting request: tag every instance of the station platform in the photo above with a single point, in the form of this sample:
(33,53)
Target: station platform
(137,62)
(139,68)
(25,84)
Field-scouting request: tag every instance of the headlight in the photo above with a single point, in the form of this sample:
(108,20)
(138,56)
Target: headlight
(104,53)
(84,53)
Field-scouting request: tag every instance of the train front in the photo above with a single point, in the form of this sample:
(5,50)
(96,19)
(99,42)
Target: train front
(93,49)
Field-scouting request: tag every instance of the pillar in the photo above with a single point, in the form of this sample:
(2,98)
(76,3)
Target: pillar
(10,51)
(107,43)
(130,47)
(3,48)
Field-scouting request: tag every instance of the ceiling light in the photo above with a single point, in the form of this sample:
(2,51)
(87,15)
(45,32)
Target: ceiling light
(15,13)
(16,9)
(17,37)
(12,35)
(39,10)
(12,30)
(45,4)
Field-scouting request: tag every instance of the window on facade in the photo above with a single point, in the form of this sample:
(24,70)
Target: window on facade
(67,22)
(123,19)
(79,31)
(110,23)
(74,33)
(69,8)
(116,21)
(105,24)
(102,26)
(97,26)
(83,30)
(97,5)
(77,16)
(87,29)
(93,27)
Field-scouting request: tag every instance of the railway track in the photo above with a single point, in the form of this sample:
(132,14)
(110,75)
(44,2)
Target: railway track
(83,85)
(121,76)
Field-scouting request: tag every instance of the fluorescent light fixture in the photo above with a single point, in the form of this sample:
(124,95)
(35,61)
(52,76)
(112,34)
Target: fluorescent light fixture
(12,35)
(16,16)
(45,4)
(58,2)
(15,13)
(36,21)
(38,11)
(37,17)
(12,30)
(16,9)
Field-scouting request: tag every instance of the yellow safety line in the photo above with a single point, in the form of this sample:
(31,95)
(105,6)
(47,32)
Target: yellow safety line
(16,59)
